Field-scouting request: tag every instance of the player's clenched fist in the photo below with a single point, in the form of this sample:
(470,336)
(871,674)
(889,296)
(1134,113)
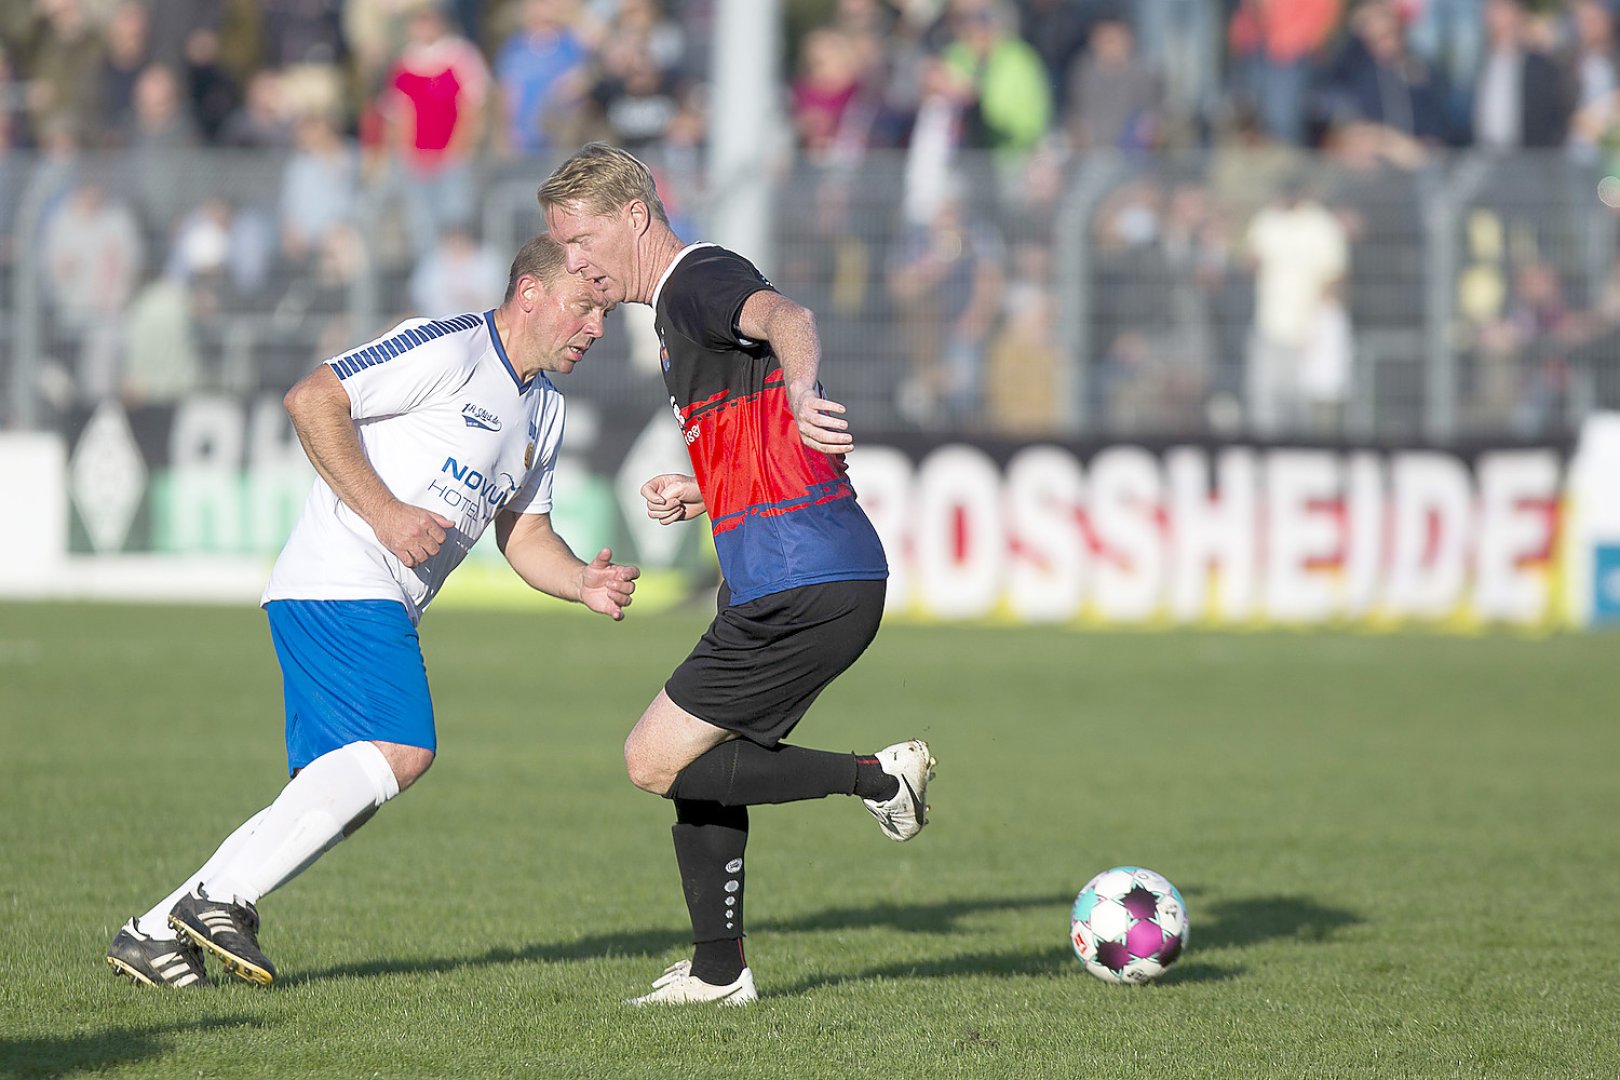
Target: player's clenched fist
(413,534)
(672,497)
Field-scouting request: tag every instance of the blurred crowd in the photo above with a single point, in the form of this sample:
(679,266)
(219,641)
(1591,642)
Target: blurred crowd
(1254,180)
(1259,250)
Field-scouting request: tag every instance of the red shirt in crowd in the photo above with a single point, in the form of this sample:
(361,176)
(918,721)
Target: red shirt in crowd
(439,83)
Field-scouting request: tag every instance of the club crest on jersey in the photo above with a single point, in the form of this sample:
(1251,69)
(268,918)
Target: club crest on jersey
(528,456)
(663,355)
(473,416)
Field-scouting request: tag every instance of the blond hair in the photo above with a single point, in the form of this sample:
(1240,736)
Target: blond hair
(603,180)
(541,258)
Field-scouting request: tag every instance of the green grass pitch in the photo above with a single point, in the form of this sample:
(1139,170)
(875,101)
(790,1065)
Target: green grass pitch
(1400,855)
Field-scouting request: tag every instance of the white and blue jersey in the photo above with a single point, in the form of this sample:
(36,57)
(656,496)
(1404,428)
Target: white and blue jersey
(448,426)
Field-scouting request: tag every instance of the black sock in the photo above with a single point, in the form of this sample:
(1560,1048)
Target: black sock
(741,773)
(709,843)
(718,963)
(871,782)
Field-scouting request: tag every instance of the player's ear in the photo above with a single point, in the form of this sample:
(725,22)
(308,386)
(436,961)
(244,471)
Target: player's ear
(639,217)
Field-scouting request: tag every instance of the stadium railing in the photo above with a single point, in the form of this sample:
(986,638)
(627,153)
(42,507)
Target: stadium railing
(1098,296)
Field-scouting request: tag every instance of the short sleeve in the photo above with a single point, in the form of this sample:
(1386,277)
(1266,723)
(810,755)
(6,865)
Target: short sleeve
(399,371)
(704,297)
(534,497)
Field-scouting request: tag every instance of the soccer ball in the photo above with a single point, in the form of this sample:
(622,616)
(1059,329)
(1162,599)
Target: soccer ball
(1128,925)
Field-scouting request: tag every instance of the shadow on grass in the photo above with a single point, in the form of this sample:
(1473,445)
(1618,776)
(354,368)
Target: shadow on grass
(1198,971)
(1248,920)
(99,1050)
(939,917)
(1223,923)
(1235,921)
(1232,922)
(1059,962)
(934,918)
(596,946)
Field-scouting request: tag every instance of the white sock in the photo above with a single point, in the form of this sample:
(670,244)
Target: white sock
(307,819)
(155,923)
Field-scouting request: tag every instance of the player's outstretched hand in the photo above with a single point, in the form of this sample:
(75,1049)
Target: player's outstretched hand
(605,586)
(821,424)
(672,497)
(413,534)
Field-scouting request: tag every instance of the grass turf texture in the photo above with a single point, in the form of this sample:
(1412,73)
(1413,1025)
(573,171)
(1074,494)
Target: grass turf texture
(1399,854)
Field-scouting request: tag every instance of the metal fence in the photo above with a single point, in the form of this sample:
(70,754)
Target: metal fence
(1358,293)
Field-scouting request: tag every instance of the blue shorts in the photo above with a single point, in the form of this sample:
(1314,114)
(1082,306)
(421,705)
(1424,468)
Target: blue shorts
(351,671)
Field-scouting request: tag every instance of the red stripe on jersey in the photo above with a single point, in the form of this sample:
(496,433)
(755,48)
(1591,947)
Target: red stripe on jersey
(748,453)
(718,399)
(840,490)
(698,406)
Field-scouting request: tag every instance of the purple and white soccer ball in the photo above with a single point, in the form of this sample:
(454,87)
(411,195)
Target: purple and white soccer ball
(1128,925)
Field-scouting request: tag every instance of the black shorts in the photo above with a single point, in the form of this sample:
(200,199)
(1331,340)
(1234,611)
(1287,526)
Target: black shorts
(760,665)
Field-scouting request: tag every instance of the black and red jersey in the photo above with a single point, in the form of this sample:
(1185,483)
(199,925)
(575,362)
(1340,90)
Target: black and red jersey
(783,514)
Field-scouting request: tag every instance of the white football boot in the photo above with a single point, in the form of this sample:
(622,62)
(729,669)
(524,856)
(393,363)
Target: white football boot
(678,986)
(903,816)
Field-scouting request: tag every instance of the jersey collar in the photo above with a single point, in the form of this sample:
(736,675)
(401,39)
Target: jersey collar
(670,269)
(500,351)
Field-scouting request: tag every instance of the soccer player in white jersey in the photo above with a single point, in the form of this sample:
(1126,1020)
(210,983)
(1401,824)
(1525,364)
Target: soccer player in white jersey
(421,439)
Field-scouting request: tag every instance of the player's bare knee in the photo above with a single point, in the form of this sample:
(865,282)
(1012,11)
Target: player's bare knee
(409,763)
(645,774)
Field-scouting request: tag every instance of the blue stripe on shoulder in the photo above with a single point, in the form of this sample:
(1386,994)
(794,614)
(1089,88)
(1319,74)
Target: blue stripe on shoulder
(401,343)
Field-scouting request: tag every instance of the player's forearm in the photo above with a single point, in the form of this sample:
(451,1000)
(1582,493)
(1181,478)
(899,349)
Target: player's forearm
(545,562)
(791,331)
(332,444)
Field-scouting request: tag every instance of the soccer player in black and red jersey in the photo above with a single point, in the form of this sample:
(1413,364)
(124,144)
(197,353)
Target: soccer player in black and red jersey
(804,570)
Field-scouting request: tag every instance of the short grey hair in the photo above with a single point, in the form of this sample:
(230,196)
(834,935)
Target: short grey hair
(541,258)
